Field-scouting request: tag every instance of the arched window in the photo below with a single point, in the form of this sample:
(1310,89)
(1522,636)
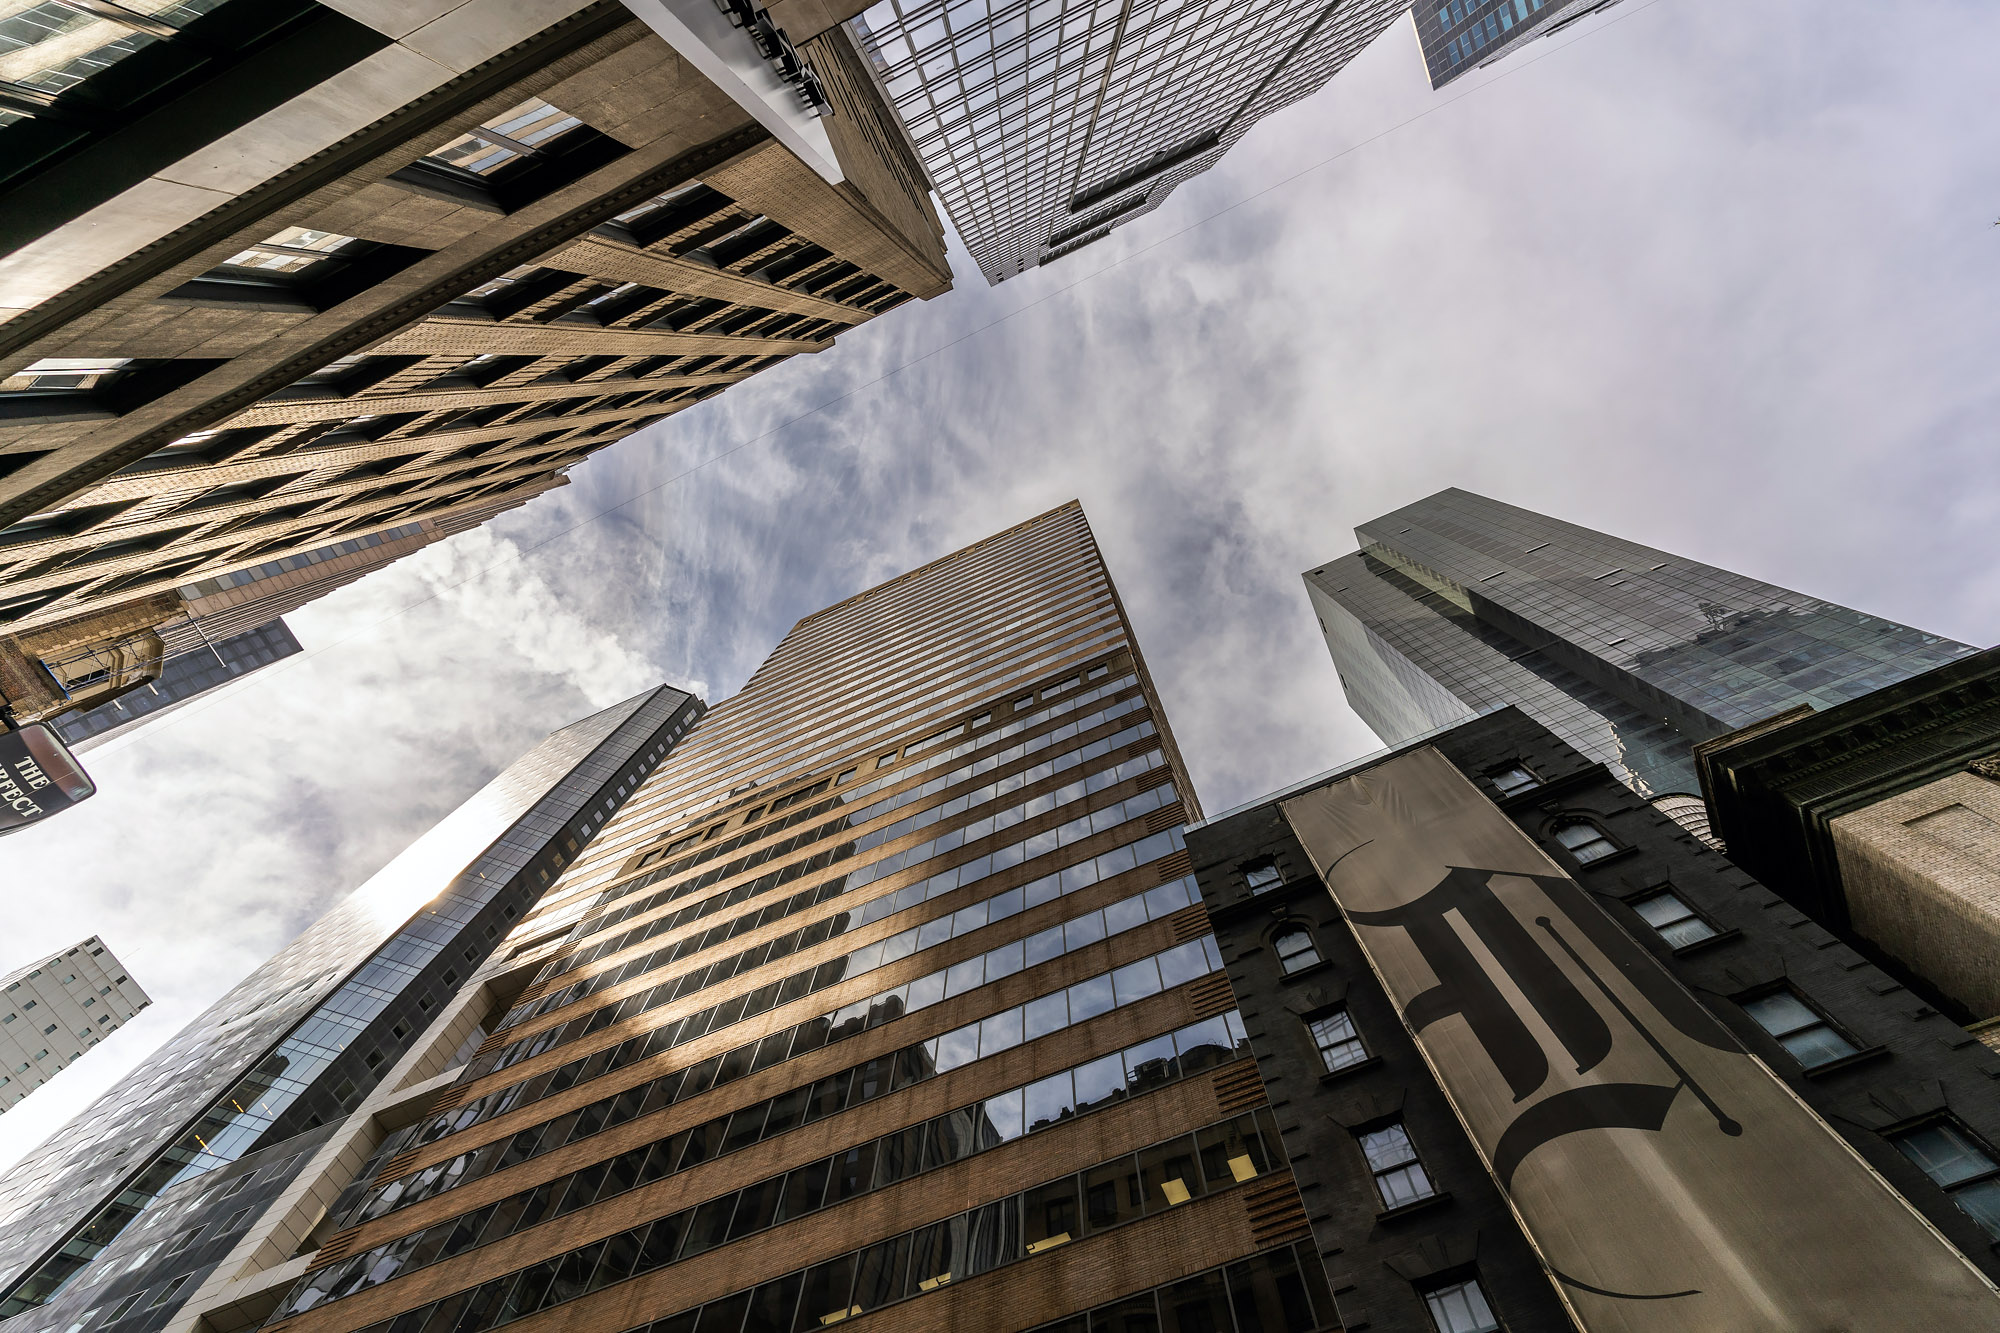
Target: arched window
(1585,841)
(1295,949)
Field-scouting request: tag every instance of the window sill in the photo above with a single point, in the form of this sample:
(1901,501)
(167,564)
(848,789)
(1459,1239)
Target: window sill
(1335,1075)
(1846,1062)
(1720,937)
(1406,1210)
(1321,968)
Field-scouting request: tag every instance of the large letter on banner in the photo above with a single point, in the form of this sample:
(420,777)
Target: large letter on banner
(1668,1179)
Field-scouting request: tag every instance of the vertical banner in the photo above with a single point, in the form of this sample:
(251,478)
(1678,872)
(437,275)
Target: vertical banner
(1667,1179)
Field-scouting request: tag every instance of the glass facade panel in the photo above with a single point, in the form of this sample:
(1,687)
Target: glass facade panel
(1458,605)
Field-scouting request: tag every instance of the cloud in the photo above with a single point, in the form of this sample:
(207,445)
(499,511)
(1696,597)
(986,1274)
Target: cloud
(1717,277)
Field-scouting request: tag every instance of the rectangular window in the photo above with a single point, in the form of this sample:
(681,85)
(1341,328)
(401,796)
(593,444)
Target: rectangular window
(1399,1176)
(1262,875)
(1675,921)
(1961,1169)
(506,137)
(1339,1044)
(1461,1307)
(1809,1038)
(1584,841)
(1511,778)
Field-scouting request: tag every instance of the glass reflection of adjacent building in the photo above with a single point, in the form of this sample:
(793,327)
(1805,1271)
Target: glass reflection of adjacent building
(1459,604)
(1044,124)
(245,1093)
(891,988)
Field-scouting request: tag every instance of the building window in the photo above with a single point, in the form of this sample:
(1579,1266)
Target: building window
(1675,921)
(291,251)
(1399,1176)
(1339,1044)
(1295,949)
(1461,1307)
(1262,875)
(1511,778)
(1804,1034)
(60,373)
(517,133)
(1584,841)
(1960,1167)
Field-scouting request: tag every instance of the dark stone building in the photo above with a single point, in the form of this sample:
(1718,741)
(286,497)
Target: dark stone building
(1881,819)
(1403,1208)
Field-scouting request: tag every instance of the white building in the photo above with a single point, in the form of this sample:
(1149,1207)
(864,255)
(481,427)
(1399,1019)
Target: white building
(54,1010)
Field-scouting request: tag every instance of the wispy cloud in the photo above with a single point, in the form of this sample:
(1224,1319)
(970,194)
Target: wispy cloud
(1715,276)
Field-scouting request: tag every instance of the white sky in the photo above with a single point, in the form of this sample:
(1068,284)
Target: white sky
(1715,276)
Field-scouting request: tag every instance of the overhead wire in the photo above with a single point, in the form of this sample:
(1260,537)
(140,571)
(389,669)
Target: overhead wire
(520,551)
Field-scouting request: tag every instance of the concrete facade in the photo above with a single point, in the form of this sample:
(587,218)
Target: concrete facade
(54,1010)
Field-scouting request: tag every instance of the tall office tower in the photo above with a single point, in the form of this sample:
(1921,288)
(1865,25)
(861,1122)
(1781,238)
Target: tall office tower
(156,1183)
(1459,36)
(1458,604)
(54,1010)
(278,277)
(184,676)
(1545,1061)
(887,995)
(1043,124)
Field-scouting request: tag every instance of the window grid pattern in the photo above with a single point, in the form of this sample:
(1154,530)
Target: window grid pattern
(1005,1231)
(863,913)
(1017,109)
(1458,604)
(871,1164)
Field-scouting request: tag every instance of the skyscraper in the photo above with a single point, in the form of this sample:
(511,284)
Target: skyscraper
(889,984)
(167,1168)
(275,279)
(1458,36)
(1458,604)
(888,987)
(1043,125)
(183,677)
(55,1009)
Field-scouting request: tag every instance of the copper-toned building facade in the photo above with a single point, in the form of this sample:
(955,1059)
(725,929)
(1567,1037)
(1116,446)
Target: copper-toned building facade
(385,266)
(887,995)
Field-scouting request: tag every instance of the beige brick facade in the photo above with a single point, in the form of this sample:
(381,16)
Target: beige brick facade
(1922,872)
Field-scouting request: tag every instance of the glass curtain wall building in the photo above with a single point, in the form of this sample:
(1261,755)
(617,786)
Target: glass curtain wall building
(1458,36)
(1458,604)
(890,988)
(1044,124)
(184,676)
(148,1178)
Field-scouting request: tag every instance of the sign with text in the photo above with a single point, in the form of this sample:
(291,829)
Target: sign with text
(38,777)
(1668,1179)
